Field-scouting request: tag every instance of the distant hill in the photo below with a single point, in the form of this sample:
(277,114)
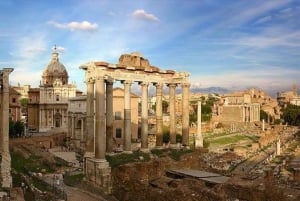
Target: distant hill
(216,90)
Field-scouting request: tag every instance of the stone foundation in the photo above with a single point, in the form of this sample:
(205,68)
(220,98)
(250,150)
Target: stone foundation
(98,173)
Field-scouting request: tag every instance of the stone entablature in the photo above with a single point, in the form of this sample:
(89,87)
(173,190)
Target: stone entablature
(133,74)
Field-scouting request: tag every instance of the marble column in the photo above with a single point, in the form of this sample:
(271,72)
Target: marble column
(109,117)
(159,115)
(172,120)
(127,115)
(6,159)
(199,137)
(185,113)
(144,119)
(100,131)
(73,127)
(278,148)
(89,149)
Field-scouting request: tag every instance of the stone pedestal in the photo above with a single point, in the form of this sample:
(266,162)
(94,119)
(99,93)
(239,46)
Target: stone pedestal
(98,173)
(5,171)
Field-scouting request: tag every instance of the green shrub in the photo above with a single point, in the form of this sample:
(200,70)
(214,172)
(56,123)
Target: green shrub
(124,158)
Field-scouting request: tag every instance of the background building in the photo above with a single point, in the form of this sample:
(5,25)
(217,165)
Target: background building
(48,104)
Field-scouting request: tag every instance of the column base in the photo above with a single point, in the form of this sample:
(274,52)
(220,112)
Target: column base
(6,178)
(98,172)
(199,142)
(145,150)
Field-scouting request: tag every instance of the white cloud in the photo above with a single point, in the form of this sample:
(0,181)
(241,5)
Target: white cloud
(263,20)
(75,26)
(142,14)
(59,48)
(29,46)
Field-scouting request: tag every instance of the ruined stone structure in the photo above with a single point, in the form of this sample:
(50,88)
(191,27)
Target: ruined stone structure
(14,105)
(77,120)
(289,97)
(48,104)
(99,77)
(6,179)
(238,107)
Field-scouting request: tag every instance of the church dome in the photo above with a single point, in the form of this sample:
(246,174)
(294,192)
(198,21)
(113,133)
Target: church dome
(55,70)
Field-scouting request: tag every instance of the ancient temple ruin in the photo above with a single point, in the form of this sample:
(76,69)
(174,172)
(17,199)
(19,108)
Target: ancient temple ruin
(100,77)
(6,179)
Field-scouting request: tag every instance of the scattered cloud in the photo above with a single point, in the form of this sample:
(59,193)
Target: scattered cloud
(59,48)
(29,46)
(263,20)
(75,26)
(142,14)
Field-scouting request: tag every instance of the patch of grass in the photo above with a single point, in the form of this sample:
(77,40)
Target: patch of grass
(229,140)
(177,153)
(160,152)
(30,164)
(124,158)
(292,147)
(172,153)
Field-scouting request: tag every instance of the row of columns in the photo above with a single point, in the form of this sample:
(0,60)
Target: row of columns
(104,116)
(251,113)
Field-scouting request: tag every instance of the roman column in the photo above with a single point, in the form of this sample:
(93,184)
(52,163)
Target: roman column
(172,113)
(100,132)
(109,116)
(159,115)
(73,127)
(199,137)
(127,115)
(82,132)
(6,159)
(144,119)
(89,149)
(185,113)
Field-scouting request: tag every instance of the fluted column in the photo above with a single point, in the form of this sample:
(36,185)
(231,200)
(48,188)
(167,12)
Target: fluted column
(127,116)
(172,88)
(90,117)
(109,116)
(6,159)
(185,113)
(159,115)
(100,132)
(144,136)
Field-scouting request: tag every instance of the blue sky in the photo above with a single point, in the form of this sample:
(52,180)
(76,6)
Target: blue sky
(227,43)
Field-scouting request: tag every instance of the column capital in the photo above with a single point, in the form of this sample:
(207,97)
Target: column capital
(185,85)
(109,81)
(126,82)
(99,78)
(144,83)
(172,85)
(158,84)
(90,80)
